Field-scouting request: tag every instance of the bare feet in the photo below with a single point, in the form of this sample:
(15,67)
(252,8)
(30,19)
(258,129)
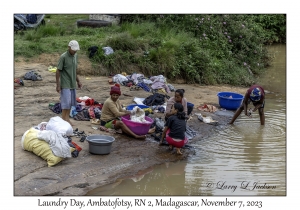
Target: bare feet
(141,137)
(178,151)
(152,130)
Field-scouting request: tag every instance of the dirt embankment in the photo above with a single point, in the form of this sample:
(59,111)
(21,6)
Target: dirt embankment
(77,176)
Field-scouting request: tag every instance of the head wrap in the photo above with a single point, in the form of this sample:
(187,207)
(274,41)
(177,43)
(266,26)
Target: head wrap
(255,95)
(115,90)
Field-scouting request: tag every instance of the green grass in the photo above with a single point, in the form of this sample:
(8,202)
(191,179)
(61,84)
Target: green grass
(175,46)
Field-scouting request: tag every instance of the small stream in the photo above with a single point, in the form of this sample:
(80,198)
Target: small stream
(244,159)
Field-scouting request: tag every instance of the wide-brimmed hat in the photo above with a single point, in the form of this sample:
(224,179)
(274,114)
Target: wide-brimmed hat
(255,94)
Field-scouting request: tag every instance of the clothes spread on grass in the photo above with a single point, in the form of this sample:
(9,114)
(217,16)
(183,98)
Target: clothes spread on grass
(93,50)
(107,50)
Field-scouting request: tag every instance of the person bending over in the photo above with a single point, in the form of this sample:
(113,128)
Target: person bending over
(175,127)
(255,95)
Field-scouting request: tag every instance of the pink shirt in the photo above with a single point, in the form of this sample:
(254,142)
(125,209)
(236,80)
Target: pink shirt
(172,101)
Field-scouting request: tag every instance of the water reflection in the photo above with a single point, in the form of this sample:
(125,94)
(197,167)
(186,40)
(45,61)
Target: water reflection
(253,147)
(166,179)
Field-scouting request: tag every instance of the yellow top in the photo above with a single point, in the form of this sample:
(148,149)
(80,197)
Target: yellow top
(111,110)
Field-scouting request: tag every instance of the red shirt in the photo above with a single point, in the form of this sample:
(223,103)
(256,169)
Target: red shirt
(261,89)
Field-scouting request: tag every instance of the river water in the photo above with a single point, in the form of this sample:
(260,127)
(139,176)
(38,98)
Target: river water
(244,159)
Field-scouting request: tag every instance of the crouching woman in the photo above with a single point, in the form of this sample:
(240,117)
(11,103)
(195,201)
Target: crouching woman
(112,111)
(175,127)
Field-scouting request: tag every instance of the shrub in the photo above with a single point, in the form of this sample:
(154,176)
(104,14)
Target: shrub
(123,41)
(200,48)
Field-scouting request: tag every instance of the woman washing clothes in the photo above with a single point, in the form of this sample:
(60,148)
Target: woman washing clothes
(178,98)
(175,127)
(112,110)
(255,95)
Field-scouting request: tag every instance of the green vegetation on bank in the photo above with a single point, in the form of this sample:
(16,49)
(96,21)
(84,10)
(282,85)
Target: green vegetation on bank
(204,49)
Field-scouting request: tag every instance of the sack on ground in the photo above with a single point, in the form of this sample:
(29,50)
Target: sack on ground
(31,143)
(59,126)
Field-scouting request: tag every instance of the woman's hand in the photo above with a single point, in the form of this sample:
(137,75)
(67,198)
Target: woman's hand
(127,112)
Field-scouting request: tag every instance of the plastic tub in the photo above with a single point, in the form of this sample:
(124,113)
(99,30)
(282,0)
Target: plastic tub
(100,144)
(190,104)
(136,127)
(190,107)
(130,107)
(230,100)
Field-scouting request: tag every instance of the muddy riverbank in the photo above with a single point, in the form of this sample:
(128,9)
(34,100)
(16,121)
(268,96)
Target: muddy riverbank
(77,176)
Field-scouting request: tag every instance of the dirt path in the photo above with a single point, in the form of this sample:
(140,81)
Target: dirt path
(77,176)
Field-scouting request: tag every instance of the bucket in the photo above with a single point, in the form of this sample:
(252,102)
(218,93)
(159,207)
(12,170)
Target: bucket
(190,107)
(100,144)
(131,106)
(137,127)
(230,100)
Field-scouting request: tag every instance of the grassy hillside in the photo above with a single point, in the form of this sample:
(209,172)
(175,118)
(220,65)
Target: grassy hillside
(205,49)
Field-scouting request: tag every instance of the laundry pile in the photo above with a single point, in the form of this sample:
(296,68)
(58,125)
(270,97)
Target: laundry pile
(139,81)
(137,115)
(86,109)
(51,141)
(32,75)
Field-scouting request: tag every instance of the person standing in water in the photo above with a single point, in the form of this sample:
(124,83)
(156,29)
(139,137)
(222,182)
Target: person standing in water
(255,95)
